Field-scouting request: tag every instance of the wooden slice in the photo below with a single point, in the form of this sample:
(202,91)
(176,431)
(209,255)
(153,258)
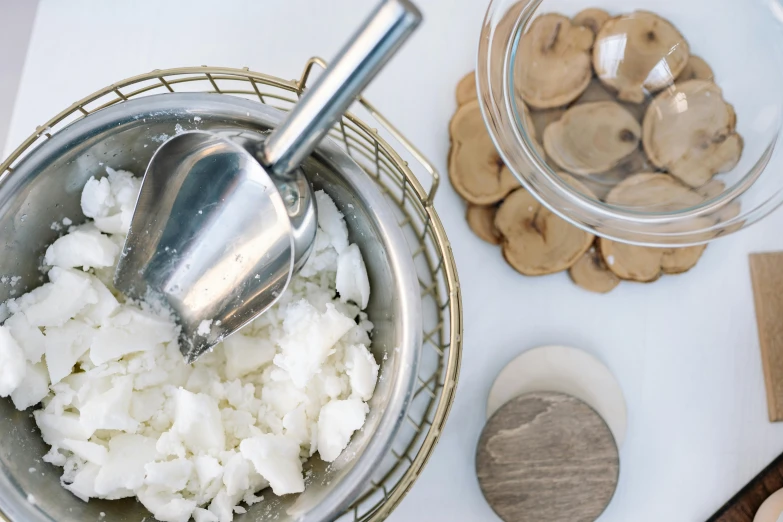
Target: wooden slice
(547,457)
(766,273)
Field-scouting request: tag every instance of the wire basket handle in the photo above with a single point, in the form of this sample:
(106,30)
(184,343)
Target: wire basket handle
(429,198)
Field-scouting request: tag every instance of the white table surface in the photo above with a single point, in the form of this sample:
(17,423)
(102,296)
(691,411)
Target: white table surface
(684,349)
(16,21)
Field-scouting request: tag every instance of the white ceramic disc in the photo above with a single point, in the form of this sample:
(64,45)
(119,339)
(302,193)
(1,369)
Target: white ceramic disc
(772,509)
(564,370)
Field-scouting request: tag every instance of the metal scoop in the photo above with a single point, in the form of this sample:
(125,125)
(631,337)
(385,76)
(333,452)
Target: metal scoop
(223,223)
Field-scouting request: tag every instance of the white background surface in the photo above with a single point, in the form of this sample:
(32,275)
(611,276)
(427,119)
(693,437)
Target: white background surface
(684,349)
(16,21)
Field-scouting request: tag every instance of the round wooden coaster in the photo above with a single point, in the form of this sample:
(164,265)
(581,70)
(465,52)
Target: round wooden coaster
(565,370)
(547,457)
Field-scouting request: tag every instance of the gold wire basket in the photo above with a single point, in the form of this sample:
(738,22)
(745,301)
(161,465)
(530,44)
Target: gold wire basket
(393,172)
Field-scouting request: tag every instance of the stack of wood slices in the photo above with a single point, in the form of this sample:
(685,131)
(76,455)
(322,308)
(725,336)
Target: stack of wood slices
(615,132)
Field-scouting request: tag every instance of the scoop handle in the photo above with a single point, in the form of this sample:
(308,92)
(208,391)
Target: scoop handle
(324,103)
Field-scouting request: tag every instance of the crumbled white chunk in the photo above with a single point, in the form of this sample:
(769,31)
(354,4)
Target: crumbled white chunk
(110,410)
(276,458)
(331,221)
(117,224)
(88,451)
(208,469)
(202,515)
(97,200)
(222,506)
(309,339)
(362,370)
(250,498)
(110,201)
(197,421)
(130,330)
(29,337)
(83,485)
(85,249)
(170,475)
(64,346)
(296,425)
(97,314)
(56,428)
(124,468)
(204,328)
(146,403)
(236,474)
(352,281)
(12,363)
(170,443)
(125,416)
(246,354)
(166,507)
(336,423)
(33,388)
(54,303)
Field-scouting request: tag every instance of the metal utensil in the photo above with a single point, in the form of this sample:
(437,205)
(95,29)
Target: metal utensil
(220,226)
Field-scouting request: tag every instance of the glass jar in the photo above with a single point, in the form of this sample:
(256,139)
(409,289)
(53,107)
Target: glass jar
(681,132)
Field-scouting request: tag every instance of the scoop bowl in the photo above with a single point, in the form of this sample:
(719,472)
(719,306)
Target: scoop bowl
(212,238)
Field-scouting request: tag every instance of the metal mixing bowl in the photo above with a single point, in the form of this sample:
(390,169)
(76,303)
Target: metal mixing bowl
(46,186)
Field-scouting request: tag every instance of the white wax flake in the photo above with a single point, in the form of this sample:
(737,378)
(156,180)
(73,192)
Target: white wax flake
(352,281)
(276,458)
(33,388)
(362,370)
(12,363)
(309,338)
(331,221)
(82,248)
(610,260)
(197,118)
(245,354)
(204,327)
(30,498)
(336,423)
(126,417)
